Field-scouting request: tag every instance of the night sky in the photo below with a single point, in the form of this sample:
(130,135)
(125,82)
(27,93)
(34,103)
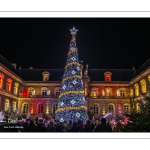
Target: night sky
(103,43)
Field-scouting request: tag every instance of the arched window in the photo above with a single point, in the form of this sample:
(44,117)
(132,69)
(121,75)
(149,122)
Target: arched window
(25,108)
(122,93)
(40,108)
(16,85)
(31,91)
(14,106)
(54,108)
(95,92)
(108,92)
(45,91)
(96,108)
(136,86)
(111,107)
(6,104)
(131,92)
(8,85)
(143,85)
(57,92)
(1,80)
(126,108)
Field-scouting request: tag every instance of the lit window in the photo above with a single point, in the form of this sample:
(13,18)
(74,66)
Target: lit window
(122,93)
(8,85)
(95,107)
(57,92)
(25,108)
(54,108)
(107,78)
(16,85)
(14,106)
(108,92)
(126,108)
(136,86)
(94,92)
(131,92)
(1,80)
(6,105)
(46,76)
(40,108)
(44,92)
(143,85)
(111,107)
(31,91)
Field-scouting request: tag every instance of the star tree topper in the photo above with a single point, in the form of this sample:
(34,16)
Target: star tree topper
(73,31)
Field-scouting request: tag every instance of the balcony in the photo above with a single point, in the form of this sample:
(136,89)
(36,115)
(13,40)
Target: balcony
(108,97)
(38,96)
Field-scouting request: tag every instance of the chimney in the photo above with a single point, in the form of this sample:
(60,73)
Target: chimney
(30,67)
(14,65)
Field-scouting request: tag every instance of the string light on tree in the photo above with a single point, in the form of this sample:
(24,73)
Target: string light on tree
(71,99)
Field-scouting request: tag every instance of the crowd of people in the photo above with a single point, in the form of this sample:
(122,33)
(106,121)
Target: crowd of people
(40,124)
(51,125)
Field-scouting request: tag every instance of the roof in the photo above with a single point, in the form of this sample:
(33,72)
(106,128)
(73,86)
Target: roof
(36,74)
(117,74)
(95,74)
(57,74)
(143,67)
(8,65)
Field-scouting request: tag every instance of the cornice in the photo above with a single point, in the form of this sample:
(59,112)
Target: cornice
(140,76)
(109,84)
(10,74)
(113,99)
(42,84)
(8,94)
(36,98)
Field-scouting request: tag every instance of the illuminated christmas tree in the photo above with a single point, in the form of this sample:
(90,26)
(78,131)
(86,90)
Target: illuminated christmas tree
(71,104)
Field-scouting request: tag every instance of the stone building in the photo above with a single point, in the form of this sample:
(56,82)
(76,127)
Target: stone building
(37,90)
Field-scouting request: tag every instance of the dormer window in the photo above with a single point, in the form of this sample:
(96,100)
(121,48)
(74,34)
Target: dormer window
(107,76)
(45,76)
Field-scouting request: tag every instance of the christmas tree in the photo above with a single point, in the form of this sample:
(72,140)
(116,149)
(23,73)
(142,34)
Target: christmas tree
(71,104)
(139,120)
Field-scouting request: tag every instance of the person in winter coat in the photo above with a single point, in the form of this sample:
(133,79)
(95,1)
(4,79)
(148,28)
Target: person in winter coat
(40,127)
(103,127)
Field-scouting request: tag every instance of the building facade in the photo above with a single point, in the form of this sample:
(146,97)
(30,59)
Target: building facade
(37,90)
